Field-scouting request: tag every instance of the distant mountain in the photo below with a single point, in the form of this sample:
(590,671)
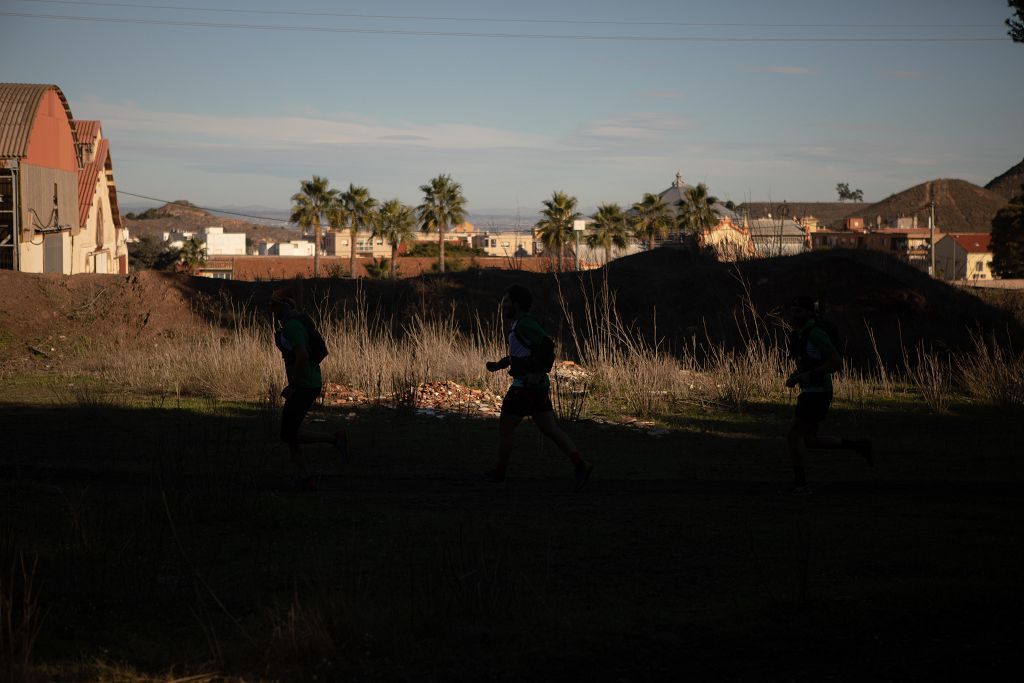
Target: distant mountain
(183,216)
(959,206)
(827,213)
(1008,184)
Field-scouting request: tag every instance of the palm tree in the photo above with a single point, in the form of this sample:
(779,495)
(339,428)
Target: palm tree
(696,214)
(555,228)
(651,218)
(192,254)
(394,223)
(309,205)
(443,206)
(611,229)
(359,206)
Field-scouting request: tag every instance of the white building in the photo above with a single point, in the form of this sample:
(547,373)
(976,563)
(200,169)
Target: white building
(336,243)
(220,243)
(175,239)
(291,248)
(506,244)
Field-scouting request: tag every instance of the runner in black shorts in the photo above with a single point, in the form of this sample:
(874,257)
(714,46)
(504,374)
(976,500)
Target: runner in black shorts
(305,383)
(529,395)
(816,359)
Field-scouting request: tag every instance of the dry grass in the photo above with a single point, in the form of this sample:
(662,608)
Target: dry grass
(628,373)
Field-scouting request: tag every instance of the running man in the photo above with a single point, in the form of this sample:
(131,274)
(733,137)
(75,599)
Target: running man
(302,349)
(816,359)
(529,394)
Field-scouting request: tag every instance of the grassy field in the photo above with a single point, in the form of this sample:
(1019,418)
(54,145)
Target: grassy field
(155,538)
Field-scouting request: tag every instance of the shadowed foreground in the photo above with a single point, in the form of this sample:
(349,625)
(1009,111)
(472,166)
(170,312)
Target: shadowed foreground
(168,544)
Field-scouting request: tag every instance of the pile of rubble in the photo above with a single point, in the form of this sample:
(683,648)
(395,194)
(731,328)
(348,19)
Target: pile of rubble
(429,398)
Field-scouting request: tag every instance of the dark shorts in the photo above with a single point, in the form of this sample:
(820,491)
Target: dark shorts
(812,407)
(296,406)
(526,401)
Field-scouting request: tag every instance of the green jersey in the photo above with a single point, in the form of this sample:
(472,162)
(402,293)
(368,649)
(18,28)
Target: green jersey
(813,347)
(292,335)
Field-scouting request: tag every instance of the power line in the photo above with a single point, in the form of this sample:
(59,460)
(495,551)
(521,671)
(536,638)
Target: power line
(531,36)
(203,208)
(497,20)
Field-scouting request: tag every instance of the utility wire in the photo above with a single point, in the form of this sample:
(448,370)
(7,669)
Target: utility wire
(203,208)
(497,20)
(532,36)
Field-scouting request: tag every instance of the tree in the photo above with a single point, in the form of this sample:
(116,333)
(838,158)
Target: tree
(651,219)
(1016,25)
(359,206)
(443,206)
(192,254)
(610,229)
(309,206)
(147,253)
(844,192)
(696,214)
(394,222)
(1008,239)
(555,226)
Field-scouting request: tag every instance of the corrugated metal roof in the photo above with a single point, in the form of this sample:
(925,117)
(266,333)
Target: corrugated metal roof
(18,105)
(87,181)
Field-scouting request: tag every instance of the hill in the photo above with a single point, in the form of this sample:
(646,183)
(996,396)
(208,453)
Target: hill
(960,206)
(182,216)
(1008,184)
(684,298)
(827,213)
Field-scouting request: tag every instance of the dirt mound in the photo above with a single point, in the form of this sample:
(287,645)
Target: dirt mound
(1008,184)
(667,294)
(960,206)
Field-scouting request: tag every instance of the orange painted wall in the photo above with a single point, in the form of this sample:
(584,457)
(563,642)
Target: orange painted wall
(50,144)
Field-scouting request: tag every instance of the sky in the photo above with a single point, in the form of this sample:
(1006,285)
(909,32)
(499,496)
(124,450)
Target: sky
(232,103)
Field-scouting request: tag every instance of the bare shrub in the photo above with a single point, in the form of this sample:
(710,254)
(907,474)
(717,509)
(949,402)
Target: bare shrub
(21,618)
(931,376)
(992,372)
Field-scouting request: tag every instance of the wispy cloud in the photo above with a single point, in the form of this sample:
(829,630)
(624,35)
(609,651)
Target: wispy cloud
(787,70)
(286,132)
(635,126)
(662,94)
(912,75)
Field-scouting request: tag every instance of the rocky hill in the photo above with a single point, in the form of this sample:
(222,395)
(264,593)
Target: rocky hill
(183,216)
(960,206)
(1008,184)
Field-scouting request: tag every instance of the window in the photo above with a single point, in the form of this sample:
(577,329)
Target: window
(979,266)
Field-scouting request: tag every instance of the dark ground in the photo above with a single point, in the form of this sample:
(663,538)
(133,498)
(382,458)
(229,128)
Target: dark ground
(167,542)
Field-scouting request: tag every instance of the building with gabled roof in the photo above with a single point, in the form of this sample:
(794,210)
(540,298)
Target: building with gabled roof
(103,243)
(964,256)
(58,203)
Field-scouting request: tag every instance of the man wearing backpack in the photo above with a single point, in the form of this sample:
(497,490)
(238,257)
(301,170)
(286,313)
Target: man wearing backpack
(302,349)
(816,359)
(530,357)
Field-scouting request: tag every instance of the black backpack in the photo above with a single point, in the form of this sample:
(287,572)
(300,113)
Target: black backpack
(542,357)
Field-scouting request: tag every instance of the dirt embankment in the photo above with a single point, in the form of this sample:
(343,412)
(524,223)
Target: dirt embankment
(667,294)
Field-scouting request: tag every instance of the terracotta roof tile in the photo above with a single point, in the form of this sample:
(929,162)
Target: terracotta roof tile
(87,181)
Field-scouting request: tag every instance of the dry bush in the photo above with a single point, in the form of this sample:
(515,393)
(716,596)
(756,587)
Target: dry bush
(931,376)
(992,373)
